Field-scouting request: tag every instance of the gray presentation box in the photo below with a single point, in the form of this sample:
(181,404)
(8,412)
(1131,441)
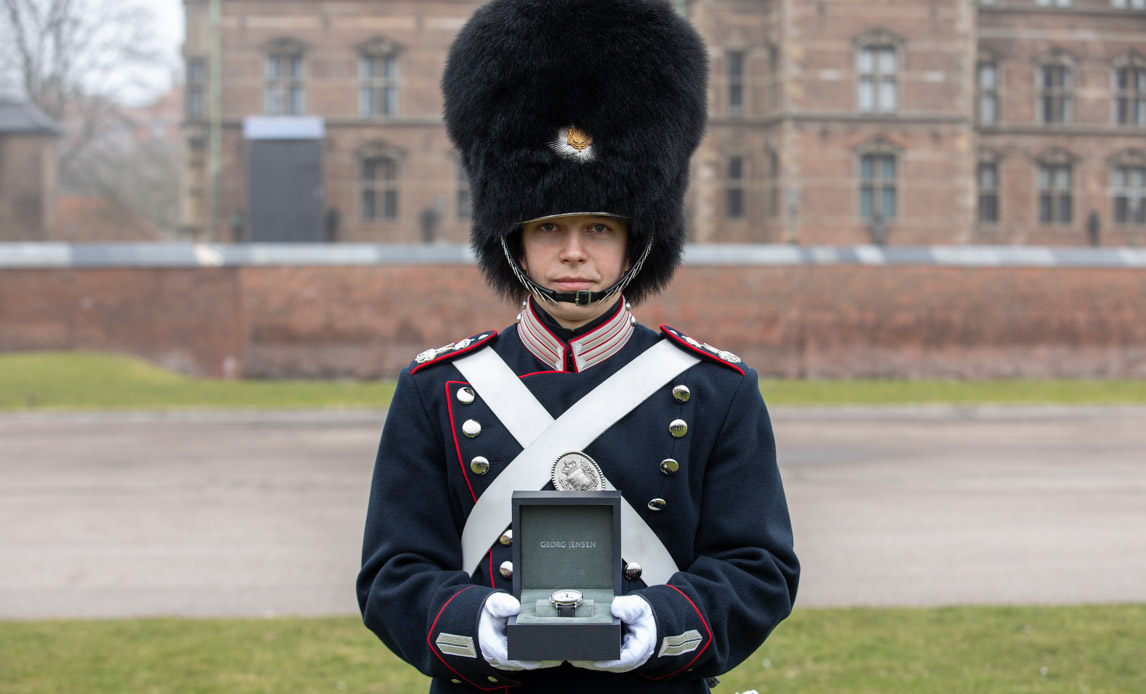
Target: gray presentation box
(566,540)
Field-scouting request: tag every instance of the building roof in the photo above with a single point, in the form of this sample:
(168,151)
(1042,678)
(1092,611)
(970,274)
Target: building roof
(24,117)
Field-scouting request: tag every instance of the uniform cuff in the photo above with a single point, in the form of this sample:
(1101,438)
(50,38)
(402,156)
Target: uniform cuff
(453,640)
(683,634)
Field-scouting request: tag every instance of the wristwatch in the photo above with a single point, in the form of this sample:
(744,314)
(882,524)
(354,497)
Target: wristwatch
(566,602)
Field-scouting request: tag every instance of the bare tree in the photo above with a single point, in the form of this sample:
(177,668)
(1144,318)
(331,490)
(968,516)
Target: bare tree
(77,59)
(140,175)
(80,61)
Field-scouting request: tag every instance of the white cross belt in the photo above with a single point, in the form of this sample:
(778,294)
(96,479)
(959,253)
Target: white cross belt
(544,439)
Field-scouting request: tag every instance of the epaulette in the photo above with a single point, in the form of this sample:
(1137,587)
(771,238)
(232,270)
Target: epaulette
(720,356)
(451,351)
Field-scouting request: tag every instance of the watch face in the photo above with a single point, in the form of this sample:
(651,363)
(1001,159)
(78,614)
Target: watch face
(566,597)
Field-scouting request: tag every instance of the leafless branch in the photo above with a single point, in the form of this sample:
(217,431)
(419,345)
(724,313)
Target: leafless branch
(76,60)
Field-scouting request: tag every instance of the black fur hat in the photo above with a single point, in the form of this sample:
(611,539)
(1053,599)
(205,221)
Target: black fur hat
(567,106)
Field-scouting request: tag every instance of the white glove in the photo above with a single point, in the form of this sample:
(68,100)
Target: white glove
(640,636)
(496,610)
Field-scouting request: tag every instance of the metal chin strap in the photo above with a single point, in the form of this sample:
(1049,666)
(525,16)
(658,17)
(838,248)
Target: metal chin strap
(580,298)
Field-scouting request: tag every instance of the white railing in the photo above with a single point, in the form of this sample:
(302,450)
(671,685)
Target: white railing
(189,255)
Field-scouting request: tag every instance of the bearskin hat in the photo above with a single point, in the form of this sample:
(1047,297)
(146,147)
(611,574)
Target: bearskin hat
(577,106)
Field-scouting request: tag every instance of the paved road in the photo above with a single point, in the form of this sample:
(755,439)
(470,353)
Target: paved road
(260,514)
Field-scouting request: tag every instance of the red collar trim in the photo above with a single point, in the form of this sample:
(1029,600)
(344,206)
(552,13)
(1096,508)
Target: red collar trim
(589,350)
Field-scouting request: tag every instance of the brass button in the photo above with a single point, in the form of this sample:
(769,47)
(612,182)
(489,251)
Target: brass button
(681,393)
(491,678)
(633,571)
(466,395)
(471,428)
(479,465)
(506,569)
(677,428)
(657,504)
(506,538)
(669,466)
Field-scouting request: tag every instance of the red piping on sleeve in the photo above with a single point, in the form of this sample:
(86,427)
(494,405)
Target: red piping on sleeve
(430,643)
(702,648)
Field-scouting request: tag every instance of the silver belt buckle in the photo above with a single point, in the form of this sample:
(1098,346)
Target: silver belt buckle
(576,472)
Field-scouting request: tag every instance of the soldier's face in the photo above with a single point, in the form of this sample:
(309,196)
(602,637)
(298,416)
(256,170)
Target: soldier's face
(575,253)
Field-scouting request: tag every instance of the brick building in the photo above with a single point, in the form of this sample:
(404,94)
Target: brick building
(841,122)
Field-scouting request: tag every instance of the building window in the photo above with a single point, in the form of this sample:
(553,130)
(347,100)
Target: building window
(1054,3)
(195,101)
(285,75)
(1055,197)
(734,61)
(1129,4)
(1129,193)
(878,196)
(988,192)
(734,187)
(878,68)
(1130,94)
(988,93)
(379,188)
(463,193)
(1056,93)
(379,85)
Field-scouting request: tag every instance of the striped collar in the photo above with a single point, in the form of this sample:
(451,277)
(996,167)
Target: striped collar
(588,350)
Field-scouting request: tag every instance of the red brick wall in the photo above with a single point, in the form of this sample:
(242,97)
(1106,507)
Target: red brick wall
(793,321)
(188,320)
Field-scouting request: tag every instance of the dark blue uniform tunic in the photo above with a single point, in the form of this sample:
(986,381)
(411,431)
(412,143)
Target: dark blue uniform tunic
(724,521)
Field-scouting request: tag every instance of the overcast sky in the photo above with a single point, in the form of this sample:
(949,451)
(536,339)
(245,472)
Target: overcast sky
(169,26)
(170,15)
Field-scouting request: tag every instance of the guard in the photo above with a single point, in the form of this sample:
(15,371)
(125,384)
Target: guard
(575,121)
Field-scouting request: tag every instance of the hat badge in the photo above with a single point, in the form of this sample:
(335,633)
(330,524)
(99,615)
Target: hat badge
(577,138)
(573,143)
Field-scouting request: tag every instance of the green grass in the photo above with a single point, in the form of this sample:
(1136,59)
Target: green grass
(1014,650)
(1004,392)
(972,650)
(81,381)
